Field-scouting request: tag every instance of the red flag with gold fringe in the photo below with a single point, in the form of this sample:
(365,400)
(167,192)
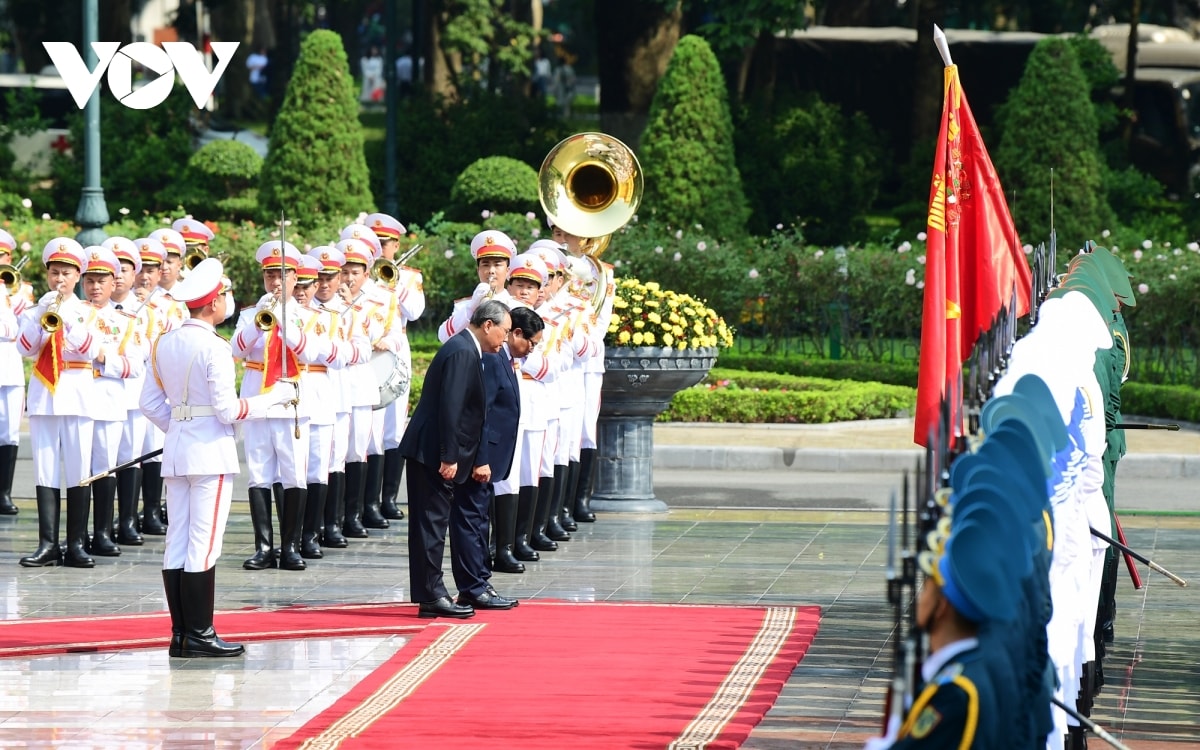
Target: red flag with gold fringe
(974,264)
(279,362)
(49,364)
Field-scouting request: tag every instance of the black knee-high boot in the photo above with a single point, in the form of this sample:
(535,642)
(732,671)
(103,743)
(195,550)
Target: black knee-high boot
(356,477)
(172,583)
(526,505)
(314,519)
(335,511)
(372,515)
(393,471)
(78,500)
(582,510)
(128,483)
(198,596)
(566,515)
(260,519)
(152,484)
(8,468)
(103,493)
(291,523)
(506,531)
(554,529)
(48,551)
(544,503)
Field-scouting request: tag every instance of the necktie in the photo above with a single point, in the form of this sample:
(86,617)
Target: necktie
(119,306)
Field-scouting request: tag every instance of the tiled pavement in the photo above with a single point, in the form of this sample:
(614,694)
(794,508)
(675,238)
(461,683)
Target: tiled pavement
(833,559)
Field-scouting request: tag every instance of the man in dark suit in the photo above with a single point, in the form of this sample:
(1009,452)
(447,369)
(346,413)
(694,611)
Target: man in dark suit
(469,551)
(441,445)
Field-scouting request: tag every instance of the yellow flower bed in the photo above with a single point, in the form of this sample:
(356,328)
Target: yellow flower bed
(645,314)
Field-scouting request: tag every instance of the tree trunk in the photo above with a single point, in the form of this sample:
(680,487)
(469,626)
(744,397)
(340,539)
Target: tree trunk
(636,40)
(115,20)
(928,75)
(1135,10)
(235,23)
(37,21)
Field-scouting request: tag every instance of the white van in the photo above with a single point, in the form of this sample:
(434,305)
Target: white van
(54,102)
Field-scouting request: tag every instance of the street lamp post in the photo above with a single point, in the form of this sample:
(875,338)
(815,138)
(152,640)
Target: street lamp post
(92,213)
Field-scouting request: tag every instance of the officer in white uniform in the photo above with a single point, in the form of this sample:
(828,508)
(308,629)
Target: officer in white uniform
(61,336)
(492,251)
(322,386)
(327,299)
(407,304)
(121,362)
(12,377)
(196,235)
(190,396)
(366,311)
(155,307)
(277,447)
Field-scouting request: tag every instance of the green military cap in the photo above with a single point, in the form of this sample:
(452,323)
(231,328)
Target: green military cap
(1096,289)
(1111,267)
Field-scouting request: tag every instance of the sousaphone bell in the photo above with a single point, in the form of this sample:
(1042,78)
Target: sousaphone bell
(590,185)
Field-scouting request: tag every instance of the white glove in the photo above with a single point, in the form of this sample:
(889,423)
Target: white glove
(481,292)
(283,394)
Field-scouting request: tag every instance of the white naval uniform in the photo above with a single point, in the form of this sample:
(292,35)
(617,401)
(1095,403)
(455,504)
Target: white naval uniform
(125,352)
(392,338)
(273,451)
(190,396)
(366,319)
(593,371)
(563,315)
(408,304)
(148,327)
(60,423)
(12,369)
(323,388)
(169,314)
(460,316)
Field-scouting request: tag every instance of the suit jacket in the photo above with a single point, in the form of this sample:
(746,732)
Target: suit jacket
(448,422)
(503,413)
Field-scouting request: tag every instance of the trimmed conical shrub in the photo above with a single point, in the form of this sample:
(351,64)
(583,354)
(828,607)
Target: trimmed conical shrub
(687,148)
(1049,122)
(495,183)
(315,164)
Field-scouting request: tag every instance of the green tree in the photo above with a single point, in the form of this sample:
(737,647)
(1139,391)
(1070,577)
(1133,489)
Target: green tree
(1048,122)
(315,164)
(687,150)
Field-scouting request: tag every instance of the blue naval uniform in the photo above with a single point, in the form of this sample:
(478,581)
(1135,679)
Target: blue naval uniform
(957,708)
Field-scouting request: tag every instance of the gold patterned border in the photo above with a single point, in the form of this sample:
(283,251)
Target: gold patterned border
(391,693)
(743,677)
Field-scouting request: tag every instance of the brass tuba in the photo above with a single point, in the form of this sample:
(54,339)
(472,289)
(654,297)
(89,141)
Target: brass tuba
(590,185)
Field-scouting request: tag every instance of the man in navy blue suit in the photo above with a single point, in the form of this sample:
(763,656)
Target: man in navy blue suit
(441,445)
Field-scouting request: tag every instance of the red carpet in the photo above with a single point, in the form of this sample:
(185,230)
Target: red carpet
(579,676)
(59,635)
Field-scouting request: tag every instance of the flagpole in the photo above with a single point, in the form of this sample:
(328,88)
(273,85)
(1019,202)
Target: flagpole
(939,39)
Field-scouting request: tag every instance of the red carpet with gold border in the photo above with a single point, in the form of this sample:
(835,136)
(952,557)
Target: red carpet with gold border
(579,676)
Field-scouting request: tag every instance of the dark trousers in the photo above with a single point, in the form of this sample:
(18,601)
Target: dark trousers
(435,507)
(470,520)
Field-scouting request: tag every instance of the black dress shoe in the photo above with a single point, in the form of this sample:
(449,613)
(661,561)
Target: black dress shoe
(489,599)
(443,607)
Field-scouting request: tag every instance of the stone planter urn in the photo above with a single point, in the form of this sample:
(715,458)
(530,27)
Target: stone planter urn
(638,386)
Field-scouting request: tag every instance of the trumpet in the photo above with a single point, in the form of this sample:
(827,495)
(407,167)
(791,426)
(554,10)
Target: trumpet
(51,320)
(10,276)
(265,319)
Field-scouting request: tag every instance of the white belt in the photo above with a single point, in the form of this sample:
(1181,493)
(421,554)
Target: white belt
(185,412)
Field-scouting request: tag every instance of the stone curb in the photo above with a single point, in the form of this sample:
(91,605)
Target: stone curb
(735,458)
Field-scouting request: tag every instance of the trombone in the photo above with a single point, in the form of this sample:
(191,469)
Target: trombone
(10,275)
(387,271)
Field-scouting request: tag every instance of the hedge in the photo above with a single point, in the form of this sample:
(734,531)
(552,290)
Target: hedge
(838,402)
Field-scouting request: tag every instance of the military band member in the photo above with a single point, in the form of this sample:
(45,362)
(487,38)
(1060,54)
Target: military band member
(365,312)
(12,377)
(118,368)
(492,251)
(196,235)
(275,348)
(407,304)
(322,385)
(160,314)
(190,396)
(593,380)
(61,336)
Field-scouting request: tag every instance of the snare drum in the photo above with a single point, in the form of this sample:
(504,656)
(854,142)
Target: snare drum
(392,374)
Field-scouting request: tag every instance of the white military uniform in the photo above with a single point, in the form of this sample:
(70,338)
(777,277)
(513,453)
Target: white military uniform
(273,452)
(190,396)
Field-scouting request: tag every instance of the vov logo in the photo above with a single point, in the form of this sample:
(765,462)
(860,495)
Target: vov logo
(170,59)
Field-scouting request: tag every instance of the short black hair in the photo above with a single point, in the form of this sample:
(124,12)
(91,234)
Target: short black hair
(527,320)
